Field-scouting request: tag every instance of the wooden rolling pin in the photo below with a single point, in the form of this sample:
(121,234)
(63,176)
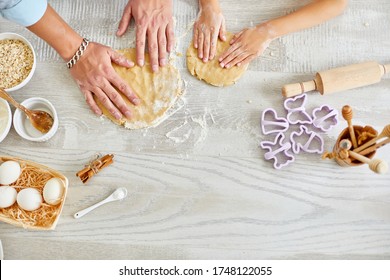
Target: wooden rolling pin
(339,79)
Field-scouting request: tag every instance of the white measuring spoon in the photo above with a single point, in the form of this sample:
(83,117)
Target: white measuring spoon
(118,194)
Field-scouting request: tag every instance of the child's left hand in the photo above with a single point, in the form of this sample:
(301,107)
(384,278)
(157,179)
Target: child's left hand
(245,46)
(207,28)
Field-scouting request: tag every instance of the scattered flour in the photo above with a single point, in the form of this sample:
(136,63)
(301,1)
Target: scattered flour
(177,134)
(204,128)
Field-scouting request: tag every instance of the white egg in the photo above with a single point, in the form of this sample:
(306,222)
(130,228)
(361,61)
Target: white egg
(7,196)
(29,199)
(53,191)
(9,172)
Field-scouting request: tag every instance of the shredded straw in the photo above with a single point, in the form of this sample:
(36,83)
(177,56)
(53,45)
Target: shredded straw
(43,217)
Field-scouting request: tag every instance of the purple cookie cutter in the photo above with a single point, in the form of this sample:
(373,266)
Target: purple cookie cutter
(278,151)
(325,117)
(307,141)
(271,123)
(295,107)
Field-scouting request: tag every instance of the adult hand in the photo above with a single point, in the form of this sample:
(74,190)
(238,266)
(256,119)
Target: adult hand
(95,75)
(153,19)
(245,46)
(207,28)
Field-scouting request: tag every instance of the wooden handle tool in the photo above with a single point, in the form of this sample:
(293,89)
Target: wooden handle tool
(39,119)
(344,146)
(385,133)
(340,79)
(377,165)
(347,115)
(375,147)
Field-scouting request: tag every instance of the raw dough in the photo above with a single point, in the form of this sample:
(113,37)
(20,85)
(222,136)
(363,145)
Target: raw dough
(157,92)
(211,72)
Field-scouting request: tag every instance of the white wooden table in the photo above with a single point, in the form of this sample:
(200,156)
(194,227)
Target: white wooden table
(199,187)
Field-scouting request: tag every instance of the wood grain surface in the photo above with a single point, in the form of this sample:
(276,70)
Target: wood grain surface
(199,187)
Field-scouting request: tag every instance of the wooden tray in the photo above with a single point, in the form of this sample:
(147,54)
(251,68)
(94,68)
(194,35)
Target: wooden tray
(47,216)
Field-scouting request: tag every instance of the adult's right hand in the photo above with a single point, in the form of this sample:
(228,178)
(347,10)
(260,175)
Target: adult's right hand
(95,75)
(93,72)
(153,19)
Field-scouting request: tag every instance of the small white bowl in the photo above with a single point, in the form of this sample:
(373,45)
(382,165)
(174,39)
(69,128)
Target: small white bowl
(7,124)
(23,125)
(9,35)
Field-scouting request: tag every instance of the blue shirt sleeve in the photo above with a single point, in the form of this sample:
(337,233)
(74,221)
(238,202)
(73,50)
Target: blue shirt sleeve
(24,12)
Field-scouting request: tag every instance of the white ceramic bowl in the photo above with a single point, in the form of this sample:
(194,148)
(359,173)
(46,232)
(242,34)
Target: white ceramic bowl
(10,35)
(23,125)
(5,125)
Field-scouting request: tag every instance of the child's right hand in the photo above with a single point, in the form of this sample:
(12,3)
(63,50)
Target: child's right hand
(245,46)
(207,28)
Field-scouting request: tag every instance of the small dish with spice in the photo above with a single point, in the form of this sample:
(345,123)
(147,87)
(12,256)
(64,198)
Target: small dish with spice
(18,61)
(23,125)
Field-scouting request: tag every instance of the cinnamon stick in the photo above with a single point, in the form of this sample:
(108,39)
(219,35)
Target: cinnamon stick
(94,167)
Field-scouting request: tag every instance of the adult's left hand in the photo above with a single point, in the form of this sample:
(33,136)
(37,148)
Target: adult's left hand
(154,21)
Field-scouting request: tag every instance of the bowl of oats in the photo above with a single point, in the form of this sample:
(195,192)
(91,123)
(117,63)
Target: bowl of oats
(18,61)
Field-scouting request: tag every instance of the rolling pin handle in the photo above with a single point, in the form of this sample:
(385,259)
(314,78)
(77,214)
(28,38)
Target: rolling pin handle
(298,88)
(386,69)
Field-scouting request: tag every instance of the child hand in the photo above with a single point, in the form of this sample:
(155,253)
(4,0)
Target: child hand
(245,46)
(207,28)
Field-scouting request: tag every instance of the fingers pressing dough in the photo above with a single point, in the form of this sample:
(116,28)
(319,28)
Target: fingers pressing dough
(211,72)
(157,92)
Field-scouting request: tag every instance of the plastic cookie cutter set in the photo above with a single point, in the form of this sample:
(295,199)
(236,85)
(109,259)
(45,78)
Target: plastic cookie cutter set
(306,140)
(296,112)
(325,118)
(271,123)
(278,150)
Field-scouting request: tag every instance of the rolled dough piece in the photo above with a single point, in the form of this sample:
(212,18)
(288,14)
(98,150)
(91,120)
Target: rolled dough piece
(157,92)
(210,71)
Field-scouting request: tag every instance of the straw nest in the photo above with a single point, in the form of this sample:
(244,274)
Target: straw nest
(35,176)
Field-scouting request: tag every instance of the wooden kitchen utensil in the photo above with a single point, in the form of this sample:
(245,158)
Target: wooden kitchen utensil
(375,147)
(41,120)
(347,115)
(341,155)
(376,165)
(339,79)
(385,133)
